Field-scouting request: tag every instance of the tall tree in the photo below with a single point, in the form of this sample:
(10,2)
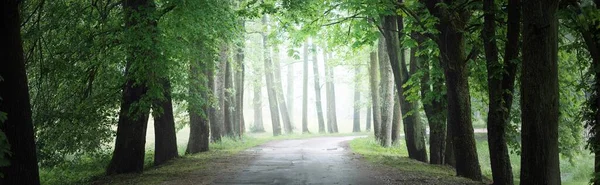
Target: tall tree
(374,88)
(257,105)
(304,88)
(387,95)
(219,123)
(318,91)
(356,116)
(165,141)
(452,22)
(239,74)
(271,91)
(14,101)
(396,120)
(290,91)
(141,30)
(229,104)
(330,93)
(198,107)
(285,117)
(501,80)
(213,110)
(539,93)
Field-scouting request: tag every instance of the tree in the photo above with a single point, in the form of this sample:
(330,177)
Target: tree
(356,116)
(271,91)
(396,120)
(257,105)
(287,123)
(318,91)
(239,123)
(451,26)
(539,93)
(198,107)
(304,88)
(165,144)
(369,119)
(387,95)
(374,88)
(141,29)
(501,80)
(229,100)
(17,126)
(330,93)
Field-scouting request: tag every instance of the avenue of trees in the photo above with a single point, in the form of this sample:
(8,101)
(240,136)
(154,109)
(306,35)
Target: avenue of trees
(83,79)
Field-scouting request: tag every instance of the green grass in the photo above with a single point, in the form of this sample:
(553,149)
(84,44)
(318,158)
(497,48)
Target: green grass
(91,169)
(396,157)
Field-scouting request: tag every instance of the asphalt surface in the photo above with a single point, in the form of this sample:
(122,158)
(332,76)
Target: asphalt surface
(323,160)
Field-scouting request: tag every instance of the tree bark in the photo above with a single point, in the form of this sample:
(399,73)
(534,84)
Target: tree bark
(304,89)
(387,98)
(257,103)
(454,62)
(14,101)
(318,92)
(239,71)
(396,120)
(228,116)
(369,118)
(290,92)
(165,141)
(499,83)
(356,116)
(221,86)
(374,87)
(198,108)
(539,94)
(215,126)
(285,117)
(271,91)
(129,152)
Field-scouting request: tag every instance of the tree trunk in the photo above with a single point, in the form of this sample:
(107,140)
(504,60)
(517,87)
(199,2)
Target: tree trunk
(271,91)
(290,92)
(165,141)
(215,126)
(539,94)
(239,71)
(449,157)
(128,155)
(356,116)
(198,108)
(369,118)
(435,108)
(228,116)
(387,98)
(454,61)
(413,127)
(221,86)
(257,103)
(14,95)
(318,92)
(374,87)
(330,92)
(499,109)
(396,120)
(304,89)
(285,117)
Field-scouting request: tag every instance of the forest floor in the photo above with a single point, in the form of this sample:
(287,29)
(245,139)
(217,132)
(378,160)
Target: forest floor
(320,160)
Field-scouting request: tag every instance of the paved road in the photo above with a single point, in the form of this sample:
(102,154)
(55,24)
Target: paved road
(324,160)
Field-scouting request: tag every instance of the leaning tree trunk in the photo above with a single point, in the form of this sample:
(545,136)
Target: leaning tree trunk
(165,141)
(454,61)
(287,123)
(318,92)
(198,108)
(14,101)
(271,91)
(387,99)
(539,94)
(257,104)
(501,78)
(356,116)
(128,155)
(304,89)
(374,88)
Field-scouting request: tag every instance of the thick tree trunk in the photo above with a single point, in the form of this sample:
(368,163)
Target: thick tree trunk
(396,120)
(285,117)
(499,109)
(257,104)
(221,86)
(330,92)
(304,89)
(213,111)
(387,96)
(128,155)
(239,71)
(449,157)
(435,109)
(271,91)
(318,92)
(356,116)
(228,116)
(14,94)
(539,94)
(165,141)
(454,61)
(198,109)
(374,87)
